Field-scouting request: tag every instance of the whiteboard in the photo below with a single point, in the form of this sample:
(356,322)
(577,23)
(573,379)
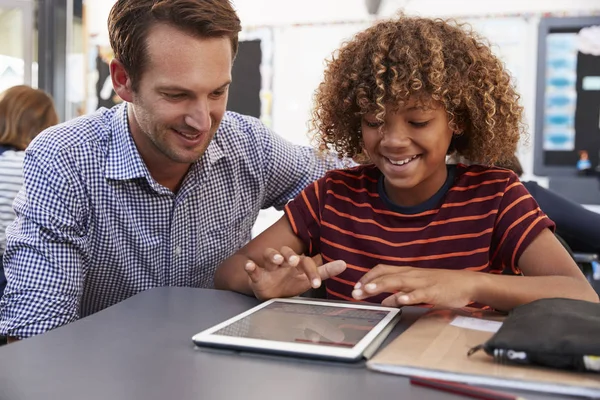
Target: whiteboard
(299,53)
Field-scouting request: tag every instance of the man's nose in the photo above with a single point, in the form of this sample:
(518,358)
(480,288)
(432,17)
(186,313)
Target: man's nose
(198,117)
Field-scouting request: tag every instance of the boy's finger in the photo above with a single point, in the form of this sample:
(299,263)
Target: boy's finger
(392,300)
(332,268)
(272,259)
(393,283)
(253,271)
(291,258)
(308,266)
(376,272)
(417,296)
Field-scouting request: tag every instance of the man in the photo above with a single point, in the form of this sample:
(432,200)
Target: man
(154,192)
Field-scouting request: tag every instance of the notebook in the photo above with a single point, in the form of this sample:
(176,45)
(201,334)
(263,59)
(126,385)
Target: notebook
(436,347)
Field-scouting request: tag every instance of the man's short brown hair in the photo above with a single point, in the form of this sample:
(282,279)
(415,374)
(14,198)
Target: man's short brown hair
(130,20)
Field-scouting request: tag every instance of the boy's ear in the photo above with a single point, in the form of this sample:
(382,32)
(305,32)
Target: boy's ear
(121,80)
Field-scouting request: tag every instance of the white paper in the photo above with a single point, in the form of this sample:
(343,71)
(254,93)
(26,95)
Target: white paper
(476,324)
(588,40)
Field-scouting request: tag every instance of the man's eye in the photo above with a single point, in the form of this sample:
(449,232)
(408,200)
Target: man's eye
(218,93)
(419,124)
(174,96)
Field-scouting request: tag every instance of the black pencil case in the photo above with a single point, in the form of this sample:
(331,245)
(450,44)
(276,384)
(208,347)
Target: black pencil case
(558,333)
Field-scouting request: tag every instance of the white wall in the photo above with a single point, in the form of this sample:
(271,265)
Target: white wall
(282,12)
(97,16)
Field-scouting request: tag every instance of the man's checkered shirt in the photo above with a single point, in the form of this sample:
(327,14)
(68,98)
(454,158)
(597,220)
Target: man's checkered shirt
(93,228)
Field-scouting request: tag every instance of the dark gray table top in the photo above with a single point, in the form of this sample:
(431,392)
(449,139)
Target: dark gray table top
(141,349)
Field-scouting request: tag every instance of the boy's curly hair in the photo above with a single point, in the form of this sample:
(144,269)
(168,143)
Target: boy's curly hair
(428,60)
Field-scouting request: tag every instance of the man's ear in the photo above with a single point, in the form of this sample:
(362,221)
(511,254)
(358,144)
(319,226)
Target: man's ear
(121,81)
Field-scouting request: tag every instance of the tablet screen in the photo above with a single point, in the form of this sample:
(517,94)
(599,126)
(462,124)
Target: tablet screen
(307,324)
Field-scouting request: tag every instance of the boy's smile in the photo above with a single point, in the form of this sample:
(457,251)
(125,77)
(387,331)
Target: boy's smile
(409,148)
(401,165)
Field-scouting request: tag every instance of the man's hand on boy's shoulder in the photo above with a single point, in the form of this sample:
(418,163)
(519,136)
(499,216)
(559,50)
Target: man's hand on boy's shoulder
(285,273)
(409,285)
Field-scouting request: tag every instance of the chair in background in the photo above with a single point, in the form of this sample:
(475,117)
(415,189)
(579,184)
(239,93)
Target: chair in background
(589,263)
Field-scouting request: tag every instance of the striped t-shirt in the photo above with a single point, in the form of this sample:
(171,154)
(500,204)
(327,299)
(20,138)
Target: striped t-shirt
(482,219)
(11,180)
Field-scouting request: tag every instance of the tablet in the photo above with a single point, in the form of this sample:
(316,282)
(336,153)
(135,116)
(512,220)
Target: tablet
(305,328)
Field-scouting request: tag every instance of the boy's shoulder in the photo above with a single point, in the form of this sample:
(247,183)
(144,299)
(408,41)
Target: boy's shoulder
(468,175)
(358,182)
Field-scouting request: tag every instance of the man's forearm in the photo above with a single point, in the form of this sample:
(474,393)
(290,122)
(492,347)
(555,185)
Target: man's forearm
(231,275)
(504,292)
(11,339)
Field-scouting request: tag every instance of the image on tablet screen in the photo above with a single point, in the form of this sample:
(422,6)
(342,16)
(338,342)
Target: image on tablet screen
(309,324)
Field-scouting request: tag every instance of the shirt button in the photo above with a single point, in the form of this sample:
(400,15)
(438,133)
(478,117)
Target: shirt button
(177,251)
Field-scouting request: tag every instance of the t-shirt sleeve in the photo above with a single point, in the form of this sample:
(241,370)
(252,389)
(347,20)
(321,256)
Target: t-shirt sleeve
(289,167)
(520,220)
(304,214)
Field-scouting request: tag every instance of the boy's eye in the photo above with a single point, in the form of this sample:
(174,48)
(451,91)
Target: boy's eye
(417,124)
(373,124)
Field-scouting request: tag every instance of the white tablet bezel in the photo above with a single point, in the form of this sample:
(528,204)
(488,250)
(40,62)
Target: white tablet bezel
(207,338)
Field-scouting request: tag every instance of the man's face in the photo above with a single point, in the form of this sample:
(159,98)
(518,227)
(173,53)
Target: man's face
(181,96)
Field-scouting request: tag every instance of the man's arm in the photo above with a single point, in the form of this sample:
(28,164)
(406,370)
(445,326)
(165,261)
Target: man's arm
(289,168)
(43,259)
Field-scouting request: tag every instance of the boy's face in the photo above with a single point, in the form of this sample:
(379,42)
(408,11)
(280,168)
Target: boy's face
(181,96)
(410,150)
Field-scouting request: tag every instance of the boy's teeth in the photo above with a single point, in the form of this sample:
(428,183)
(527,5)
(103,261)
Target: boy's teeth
(402,162)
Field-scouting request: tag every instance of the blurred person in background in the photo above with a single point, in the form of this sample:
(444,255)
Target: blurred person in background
(24,112)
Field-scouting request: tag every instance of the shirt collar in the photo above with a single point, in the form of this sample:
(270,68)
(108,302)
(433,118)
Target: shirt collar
(124,161)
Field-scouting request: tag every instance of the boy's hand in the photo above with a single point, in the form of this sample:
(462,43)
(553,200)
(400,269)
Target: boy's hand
(447,288)
(285,273)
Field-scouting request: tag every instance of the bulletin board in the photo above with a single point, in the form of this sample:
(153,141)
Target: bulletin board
(567,107)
